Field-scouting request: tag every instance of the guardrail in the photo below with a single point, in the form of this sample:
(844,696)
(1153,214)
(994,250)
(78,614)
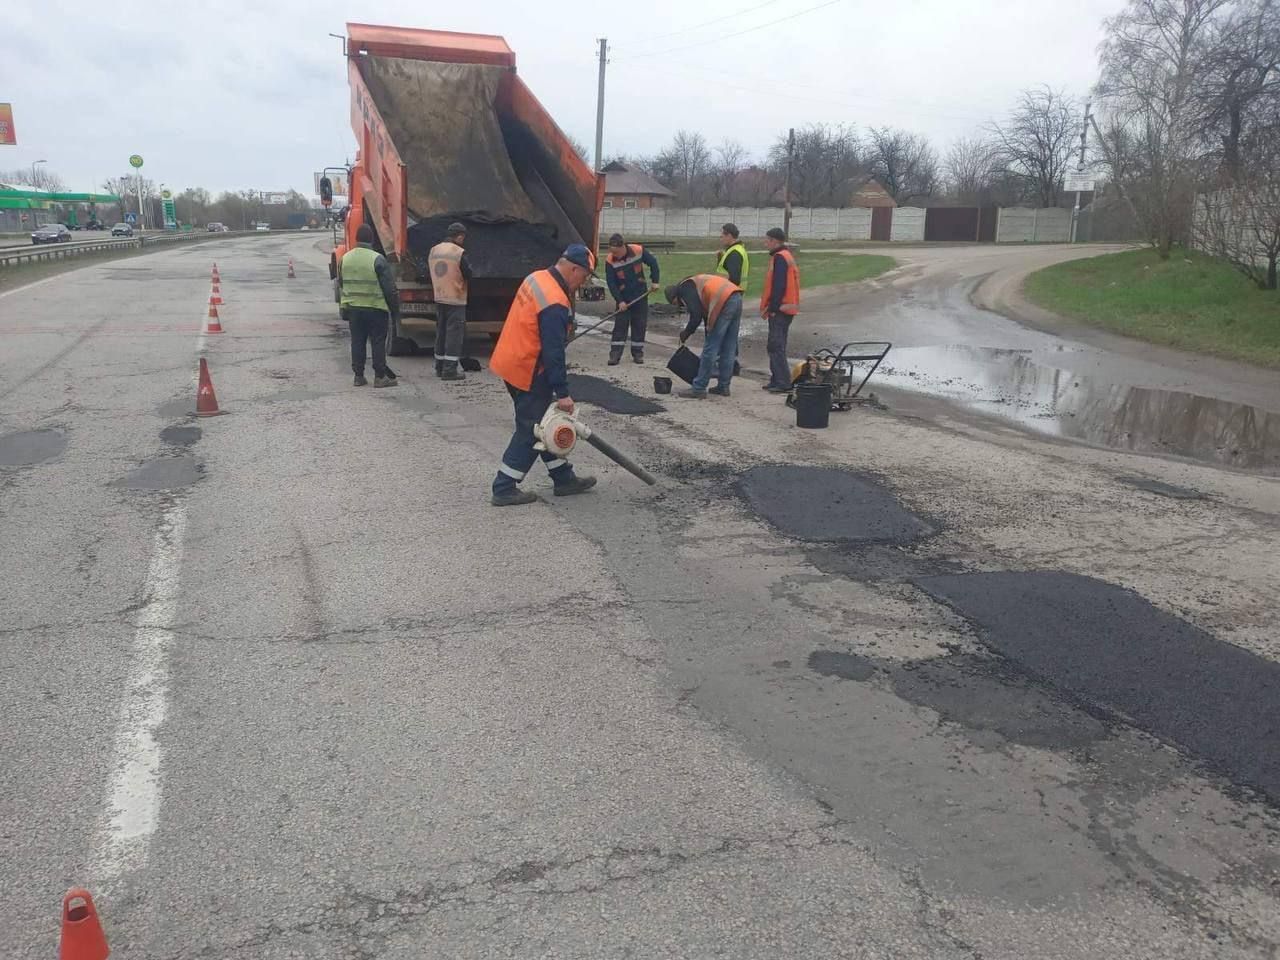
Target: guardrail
(63,251)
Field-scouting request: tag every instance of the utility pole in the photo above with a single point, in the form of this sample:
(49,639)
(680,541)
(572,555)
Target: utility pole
(786,210)
(1084,140)
(604,58)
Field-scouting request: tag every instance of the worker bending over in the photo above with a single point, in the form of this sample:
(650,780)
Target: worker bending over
(732,261)
(779,304)
(450,276)
(624,273)
(529,356)
(368,298)
(717,302)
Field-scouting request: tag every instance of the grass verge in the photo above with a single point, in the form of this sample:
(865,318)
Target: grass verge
(816,269)
(1190,301)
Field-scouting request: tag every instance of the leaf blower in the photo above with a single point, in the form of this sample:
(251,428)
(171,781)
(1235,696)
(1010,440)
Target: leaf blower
(558,433)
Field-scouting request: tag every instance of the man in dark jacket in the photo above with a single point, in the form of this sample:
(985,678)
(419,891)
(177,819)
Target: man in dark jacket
(368,298)
(624,273)
(779,304)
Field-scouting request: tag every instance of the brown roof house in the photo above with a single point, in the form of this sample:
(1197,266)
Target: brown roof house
(626,188)
(870,192)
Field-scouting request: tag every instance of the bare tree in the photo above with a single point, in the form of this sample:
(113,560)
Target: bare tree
(1240,84)
(580,149)
(1154,60)
(904,162)
(827,159)
(730,158)
(682,164)
(1241,221)
(40,177)
(1035,143)
(969,166)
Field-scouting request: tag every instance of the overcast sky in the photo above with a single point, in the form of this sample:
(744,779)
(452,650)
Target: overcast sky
(234,95)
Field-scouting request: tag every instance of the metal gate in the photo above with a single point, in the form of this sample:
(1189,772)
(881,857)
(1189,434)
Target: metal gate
(951,224)
(988,218)
(881,223)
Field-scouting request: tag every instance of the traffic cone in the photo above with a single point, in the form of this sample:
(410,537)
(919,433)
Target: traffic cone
(82,937)
(292,275)
(206,399)
(215,295)
(213,324)
(216,278)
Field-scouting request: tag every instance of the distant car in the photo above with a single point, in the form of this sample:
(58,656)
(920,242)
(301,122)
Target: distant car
(216,227)
(122,230)
(262,226)
(51,233)
(95,225)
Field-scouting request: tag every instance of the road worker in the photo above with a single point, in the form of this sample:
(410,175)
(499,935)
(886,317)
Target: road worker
(779,304)
(450,276)
(529,356)
(717,302)
(624,273)
(732,261)
(368,298)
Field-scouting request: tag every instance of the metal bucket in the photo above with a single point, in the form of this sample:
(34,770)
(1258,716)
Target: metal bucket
(661,384)
(813,405)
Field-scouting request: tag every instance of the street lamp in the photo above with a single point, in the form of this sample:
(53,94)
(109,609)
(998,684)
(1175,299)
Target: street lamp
(34,182)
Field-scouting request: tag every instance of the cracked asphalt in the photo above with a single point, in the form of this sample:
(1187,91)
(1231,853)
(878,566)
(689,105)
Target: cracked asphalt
(720,717)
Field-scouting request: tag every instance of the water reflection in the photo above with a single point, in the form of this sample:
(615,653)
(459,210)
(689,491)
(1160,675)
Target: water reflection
(1053,400)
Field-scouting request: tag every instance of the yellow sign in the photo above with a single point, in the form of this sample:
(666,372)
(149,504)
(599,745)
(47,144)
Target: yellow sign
(7,133)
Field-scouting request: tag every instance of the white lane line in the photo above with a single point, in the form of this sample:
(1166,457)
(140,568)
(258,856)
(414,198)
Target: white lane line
(133,795)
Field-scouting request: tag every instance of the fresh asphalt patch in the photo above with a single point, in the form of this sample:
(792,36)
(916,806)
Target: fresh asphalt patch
(609,396)
(1162,489)
(31,446)
(179,436)
(166,473)
(1115,652)
(824,504)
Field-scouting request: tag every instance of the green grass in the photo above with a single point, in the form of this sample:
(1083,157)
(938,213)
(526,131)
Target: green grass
(1189,301)
(816,269)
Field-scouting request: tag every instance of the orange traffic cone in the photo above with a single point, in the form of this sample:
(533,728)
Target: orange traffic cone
(213,324)
(82,937)
(215,274)
(215,295)
(206,399)
(292,275)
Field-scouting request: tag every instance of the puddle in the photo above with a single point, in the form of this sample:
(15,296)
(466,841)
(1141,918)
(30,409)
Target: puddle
(168,473)
(610,396)
(821,504)
(1114,651)
(31,446)
(181,436)
(1055,401)
(1162,489)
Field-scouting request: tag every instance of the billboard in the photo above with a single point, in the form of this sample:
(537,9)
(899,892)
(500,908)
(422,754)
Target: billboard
(275,198)
(7,133)
(339,181)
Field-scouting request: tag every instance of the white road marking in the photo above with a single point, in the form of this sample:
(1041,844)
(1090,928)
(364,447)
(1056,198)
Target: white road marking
(133,795)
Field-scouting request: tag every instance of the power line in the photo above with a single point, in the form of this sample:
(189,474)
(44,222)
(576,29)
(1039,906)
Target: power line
(707,23)
(730,36)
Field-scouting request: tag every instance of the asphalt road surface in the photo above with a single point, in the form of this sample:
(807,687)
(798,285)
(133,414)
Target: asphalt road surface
(281,684)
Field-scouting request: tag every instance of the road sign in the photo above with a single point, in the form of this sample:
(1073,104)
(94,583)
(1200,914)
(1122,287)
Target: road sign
(1078,183)
(275,198)
(135,161)
(130,218)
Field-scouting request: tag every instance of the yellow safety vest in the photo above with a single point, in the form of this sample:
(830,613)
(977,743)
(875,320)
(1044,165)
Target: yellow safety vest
(746,267)
(360,287)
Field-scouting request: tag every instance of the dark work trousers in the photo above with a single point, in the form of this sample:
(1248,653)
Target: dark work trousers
(630,325)
(779,368)
(451,331)
(368,325)
(520,456)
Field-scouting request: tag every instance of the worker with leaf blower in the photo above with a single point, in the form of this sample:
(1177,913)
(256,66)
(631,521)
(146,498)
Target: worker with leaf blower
(717,302)
(450,275)
(529,356)
(624,273)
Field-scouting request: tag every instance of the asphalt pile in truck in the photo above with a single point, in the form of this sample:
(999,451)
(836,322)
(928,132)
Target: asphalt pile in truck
(510,248)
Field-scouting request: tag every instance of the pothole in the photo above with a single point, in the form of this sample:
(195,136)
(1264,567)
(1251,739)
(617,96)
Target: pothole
(31,446)
(822,504)
(1162,489)
(167,473)
(181,436)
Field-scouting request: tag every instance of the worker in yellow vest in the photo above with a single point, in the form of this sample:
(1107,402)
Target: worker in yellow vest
(368,298)
(450,276)
(732,262)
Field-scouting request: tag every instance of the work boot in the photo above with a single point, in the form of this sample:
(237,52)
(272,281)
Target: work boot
(773,389)
(449,371)
(720,391)
(360,381)
(693,393)
(513,498)
(439,367)
(574,486)
(385,382)
(615,356)
(637,356)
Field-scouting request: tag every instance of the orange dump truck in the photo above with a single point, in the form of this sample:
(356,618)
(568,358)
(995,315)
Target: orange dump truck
(447,131)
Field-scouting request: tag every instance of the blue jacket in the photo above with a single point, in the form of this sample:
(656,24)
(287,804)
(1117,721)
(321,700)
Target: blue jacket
(554,324)
(626,276)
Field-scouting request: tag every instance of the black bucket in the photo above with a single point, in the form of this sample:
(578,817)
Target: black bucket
(684,364)
(813,405)
(661,384)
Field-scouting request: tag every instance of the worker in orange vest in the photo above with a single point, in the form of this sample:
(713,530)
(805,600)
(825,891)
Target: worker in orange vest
(716,301)
(624,273)
(779,304)
(450,276)
(529,356)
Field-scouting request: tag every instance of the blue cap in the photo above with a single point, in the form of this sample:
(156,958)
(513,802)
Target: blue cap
(578,254)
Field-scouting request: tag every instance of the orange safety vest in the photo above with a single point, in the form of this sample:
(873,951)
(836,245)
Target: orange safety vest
(714,291)
(630,259)
(791,295)
(515,357)
(444,264)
